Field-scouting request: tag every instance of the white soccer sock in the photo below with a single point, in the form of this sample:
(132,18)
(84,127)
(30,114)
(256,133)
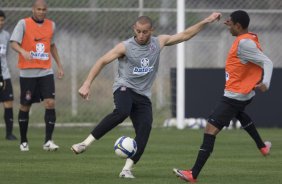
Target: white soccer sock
(89,140)
(128,164)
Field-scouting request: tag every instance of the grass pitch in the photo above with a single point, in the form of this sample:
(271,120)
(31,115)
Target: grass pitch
(235,158)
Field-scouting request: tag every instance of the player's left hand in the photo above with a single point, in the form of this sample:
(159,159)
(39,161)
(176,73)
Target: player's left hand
(60,72)
(262,87)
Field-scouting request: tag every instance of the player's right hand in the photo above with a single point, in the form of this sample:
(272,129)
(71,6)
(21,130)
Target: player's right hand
(84,91)
(215,16)
(26,55)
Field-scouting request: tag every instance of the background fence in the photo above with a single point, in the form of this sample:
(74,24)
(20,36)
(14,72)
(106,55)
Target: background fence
(86,29)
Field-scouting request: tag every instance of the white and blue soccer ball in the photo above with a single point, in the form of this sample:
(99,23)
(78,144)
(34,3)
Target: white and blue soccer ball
(125,147)
(195,123)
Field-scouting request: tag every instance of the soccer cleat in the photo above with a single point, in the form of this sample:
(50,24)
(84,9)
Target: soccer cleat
(11,137)
(24,146)
(266,150)
(185,175)
(126,174)
(50,146)
(78,148)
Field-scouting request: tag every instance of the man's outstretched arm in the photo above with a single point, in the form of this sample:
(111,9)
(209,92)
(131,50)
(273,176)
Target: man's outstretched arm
(167,40)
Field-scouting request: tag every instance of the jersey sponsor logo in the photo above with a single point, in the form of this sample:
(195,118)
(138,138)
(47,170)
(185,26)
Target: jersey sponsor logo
(40,54)
(144,69)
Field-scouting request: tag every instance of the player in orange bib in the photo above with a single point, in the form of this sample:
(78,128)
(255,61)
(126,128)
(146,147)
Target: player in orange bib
(247,68)
(33,39)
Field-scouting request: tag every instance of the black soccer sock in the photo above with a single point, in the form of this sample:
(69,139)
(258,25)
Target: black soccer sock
(50,120)
(249,127)
(8,117)
(252,131)
(203,154)
(23,124)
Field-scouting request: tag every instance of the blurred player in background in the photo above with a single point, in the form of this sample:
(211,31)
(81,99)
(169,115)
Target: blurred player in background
(138,62)
(247,68)
(33,39)
(6,89)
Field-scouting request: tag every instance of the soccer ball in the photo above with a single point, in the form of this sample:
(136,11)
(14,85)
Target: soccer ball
(192,123)
(125,147)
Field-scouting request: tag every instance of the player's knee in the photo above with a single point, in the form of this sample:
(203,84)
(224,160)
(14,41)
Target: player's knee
(212,129)
(121,113)
(49,103)
(144,131)
(25,108)
(8,104)
(244,119)
(143,126)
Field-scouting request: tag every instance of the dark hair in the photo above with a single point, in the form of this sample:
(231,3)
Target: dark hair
(144,20)
(240,17)
(2,14)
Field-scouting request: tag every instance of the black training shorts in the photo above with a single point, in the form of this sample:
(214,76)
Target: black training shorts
(36,89)
(7,93)
(225,111)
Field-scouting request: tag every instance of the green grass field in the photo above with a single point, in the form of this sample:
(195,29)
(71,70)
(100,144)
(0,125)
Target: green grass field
(235,158)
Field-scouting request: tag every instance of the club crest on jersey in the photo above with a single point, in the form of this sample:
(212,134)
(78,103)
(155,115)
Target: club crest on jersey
(145,67)
(152,47)
(40,54)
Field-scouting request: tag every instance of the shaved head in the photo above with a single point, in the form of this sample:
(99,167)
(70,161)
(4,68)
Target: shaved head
(39,10)
(39,2)
(143,29)
(144,20)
